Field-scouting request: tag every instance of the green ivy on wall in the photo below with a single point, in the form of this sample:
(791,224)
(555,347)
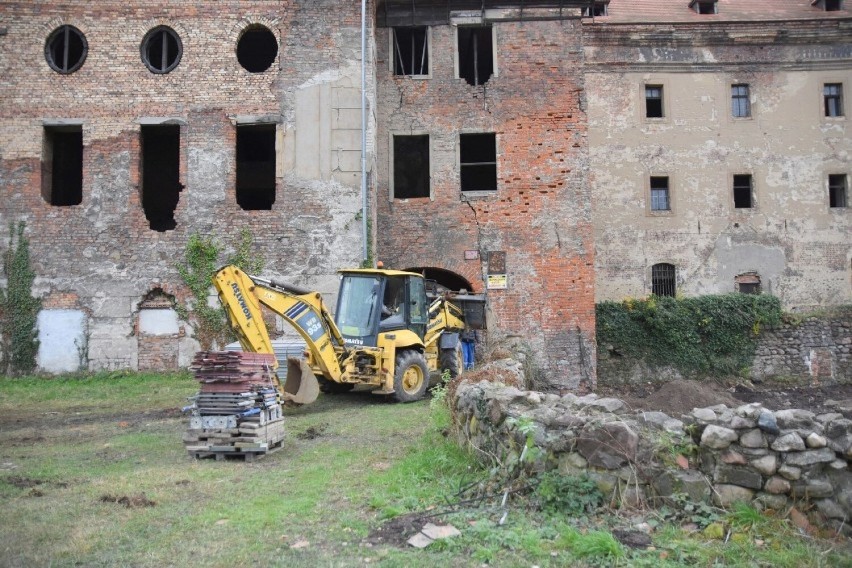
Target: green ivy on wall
(18,308)
(201,261)
(706,334)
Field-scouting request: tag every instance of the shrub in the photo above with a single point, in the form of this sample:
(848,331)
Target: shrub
(708,334)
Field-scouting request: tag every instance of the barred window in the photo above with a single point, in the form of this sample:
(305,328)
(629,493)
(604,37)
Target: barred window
(663,279)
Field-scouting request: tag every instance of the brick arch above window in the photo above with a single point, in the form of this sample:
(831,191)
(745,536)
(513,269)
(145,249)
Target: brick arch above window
(250,25)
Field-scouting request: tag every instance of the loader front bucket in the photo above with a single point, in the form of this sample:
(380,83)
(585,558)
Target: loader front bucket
(301,385)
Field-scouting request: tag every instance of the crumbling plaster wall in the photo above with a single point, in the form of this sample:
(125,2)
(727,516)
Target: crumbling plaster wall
(103,250)
(798,245)
(540,214)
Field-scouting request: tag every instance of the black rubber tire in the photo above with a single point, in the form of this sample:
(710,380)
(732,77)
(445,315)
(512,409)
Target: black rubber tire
(410,377)
(330,387)
(452,360)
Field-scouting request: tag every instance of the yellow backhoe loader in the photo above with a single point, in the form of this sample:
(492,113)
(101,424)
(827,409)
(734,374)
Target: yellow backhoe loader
(386,333)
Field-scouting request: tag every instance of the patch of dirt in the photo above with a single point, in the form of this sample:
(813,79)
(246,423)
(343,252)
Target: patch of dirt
(22,482)
(633,539)
(26,441)
(681,396)
(397,531)
(313,432)
(82,416)
(133,502)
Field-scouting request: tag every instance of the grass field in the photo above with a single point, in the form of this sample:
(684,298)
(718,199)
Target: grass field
(93,473)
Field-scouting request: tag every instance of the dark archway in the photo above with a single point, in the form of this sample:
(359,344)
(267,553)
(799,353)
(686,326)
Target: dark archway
(440,280)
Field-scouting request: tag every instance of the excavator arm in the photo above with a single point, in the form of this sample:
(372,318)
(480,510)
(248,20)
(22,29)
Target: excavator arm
(242,296)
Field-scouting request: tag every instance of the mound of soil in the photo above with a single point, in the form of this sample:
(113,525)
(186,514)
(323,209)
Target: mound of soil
(397,531)
(678,397)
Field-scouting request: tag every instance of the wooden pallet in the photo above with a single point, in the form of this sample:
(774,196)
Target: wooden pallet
(220,453)
(247,441)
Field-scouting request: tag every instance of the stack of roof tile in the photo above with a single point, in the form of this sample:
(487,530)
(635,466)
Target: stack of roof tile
(237,411)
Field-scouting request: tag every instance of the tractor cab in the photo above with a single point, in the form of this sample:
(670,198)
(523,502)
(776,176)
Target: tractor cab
(373,301)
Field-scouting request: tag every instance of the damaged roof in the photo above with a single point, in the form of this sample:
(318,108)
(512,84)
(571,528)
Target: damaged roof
(680,11)
(436,12)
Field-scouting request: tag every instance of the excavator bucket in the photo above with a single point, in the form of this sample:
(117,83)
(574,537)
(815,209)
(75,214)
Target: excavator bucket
(301,385)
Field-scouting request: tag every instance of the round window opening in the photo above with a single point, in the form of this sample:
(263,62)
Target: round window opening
(257,49)
(66,49)
(161,49)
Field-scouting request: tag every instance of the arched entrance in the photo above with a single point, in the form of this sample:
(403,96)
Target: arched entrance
(441,280)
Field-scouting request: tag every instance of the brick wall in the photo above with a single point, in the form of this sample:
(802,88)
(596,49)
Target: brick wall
(103,249)
(539,214)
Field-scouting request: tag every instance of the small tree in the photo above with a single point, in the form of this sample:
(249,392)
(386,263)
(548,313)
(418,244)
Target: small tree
(18,308)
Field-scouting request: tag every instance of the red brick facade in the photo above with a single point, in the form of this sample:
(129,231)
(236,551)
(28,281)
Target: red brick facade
(540,214)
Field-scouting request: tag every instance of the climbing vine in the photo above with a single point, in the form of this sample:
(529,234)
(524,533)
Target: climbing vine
(18,308)
(706,334)
(200,262)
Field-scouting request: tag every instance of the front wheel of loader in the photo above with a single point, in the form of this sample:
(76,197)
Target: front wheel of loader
(411,376)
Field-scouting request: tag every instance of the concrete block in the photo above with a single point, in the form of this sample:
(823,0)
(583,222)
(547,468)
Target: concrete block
(159,322)
(62,340)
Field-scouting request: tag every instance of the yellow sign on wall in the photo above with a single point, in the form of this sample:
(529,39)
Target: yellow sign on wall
(497,282)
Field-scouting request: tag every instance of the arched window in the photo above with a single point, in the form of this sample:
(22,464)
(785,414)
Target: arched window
(663,279)
(66,49)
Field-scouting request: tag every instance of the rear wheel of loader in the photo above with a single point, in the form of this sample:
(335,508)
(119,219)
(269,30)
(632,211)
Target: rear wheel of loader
(410,379)
(452,360)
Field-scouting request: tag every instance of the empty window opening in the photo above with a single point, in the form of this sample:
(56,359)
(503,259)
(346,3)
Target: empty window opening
(257,49)
(62,165)
(160,174)
(161,49)
(599,9)
(256,166)
(411,51)
(478,160)
(837,190)
(833,97)
(663,279)
(660,193)
(833,5)
(743,192)
(476,54)
(748,283)
(66,49)
(410,166)
(654,101)
(740,101)
(707,7)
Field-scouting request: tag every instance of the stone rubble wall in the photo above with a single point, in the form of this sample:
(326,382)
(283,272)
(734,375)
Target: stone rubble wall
(818,348)
(750,453)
